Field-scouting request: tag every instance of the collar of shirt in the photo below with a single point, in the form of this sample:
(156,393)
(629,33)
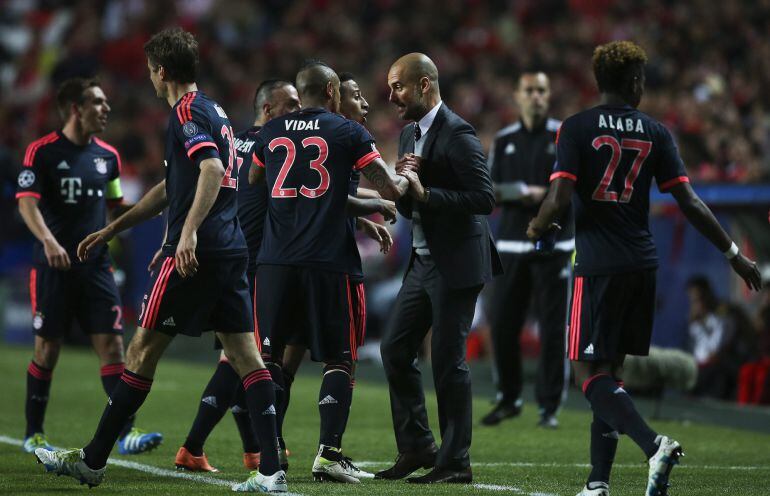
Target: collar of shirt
(427,120)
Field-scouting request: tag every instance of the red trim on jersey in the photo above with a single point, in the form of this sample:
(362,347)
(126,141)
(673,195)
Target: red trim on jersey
(352,323)
(188,105)
(112,369)
(673,182)
(112,149)
(29,155)
(22,194)
(566,175)
(157,293)
(256,160)
(181,109)
(366,160)
(574,327)
(33,290)
(38,372)
(257,338)
(198,146)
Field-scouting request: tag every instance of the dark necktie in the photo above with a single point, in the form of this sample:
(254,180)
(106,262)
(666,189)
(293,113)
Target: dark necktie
(417,132)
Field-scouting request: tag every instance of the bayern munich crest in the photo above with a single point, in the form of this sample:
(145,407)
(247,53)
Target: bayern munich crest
(101,165)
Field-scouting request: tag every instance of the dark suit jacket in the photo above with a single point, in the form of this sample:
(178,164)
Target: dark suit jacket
(461,196)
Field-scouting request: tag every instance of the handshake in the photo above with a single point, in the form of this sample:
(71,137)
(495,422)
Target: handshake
(408,166)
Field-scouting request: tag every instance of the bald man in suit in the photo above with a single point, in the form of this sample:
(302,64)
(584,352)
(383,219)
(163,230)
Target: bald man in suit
(453,256)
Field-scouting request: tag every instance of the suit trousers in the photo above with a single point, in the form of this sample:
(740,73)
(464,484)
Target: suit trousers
(425,301)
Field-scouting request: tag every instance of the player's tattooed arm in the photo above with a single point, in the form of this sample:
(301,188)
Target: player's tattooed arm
(388,184)
(151,204)
(701,217)
(556,202)
(357,207)
(55,254)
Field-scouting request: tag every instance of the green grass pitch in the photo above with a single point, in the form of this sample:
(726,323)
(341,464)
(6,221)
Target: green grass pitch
(514,458)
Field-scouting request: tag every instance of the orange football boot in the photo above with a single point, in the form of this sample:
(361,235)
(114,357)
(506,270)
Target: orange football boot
(186,461)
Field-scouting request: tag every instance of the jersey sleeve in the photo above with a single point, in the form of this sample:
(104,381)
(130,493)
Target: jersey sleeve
(195,136)
(29,180)
(567,152)
(669,167)
(364,148)
(258,155)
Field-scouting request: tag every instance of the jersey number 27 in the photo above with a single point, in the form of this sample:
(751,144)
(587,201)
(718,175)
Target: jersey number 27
(602,192)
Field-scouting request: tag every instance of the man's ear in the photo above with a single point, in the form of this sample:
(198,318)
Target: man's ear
(330,90)
(424,84)
(266,110)
(162,73)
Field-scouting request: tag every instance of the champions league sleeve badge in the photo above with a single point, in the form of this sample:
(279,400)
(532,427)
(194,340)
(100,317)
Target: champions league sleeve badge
(189,129)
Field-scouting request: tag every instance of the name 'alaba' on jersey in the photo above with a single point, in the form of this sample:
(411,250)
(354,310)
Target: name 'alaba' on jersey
(199,129)
(308,156)
(613,152)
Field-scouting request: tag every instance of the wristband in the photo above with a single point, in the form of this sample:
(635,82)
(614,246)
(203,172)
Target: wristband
(731,252)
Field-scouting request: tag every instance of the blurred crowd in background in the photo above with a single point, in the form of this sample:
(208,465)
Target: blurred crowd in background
(707,67)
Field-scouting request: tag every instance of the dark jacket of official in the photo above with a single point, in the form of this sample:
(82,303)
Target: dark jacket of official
(461,196)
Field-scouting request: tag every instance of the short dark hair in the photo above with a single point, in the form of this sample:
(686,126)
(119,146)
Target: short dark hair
(346,76)
(313,77)
(72,91)
(614,61)
(177,52)
(265,91)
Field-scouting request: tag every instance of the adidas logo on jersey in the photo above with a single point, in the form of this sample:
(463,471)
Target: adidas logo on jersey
(266,342)
(210,400)
(589,349)
(63,165)
(169,322)
(329,400)
(270,410)
(237,409)
(619,390)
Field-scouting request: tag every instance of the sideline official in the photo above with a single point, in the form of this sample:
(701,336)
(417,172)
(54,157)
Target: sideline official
(521,160)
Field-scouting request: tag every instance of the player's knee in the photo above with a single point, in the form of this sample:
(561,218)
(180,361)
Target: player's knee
(111,351)
(46,352)
(343,366)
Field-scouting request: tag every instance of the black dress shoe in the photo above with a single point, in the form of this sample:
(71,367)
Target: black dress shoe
(408,462)
(500,412)
(464,476)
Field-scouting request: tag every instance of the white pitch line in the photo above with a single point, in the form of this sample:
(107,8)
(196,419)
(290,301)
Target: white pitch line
(150,469)
(584,465)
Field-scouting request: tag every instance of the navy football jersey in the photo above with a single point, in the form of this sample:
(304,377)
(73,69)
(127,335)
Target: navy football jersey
(252,198)
(72,183)
(199,129)
(356,271)
(613,153)
(308,156)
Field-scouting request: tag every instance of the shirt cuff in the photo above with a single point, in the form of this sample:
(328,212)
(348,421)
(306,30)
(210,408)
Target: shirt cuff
(22,194)
(667,185)
(565,175)
(198,146)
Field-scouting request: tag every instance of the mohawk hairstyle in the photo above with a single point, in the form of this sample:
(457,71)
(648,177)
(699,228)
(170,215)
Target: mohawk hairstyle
(612,63)
(265,91)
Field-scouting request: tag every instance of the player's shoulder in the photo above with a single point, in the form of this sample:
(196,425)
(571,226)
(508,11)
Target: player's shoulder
(509,130)
(35,146)
(103,146)
(197,106)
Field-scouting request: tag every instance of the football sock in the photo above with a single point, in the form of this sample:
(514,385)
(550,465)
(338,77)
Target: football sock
(215,400)
(110,376)
(288,380)
(349,402)
(604,444)
(243,421)
(125,399)
(260,397)
(38,387)
(333,404)
(614,406)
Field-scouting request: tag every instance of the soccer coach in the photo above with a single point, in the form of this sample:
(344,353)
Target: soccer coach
(453,255)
